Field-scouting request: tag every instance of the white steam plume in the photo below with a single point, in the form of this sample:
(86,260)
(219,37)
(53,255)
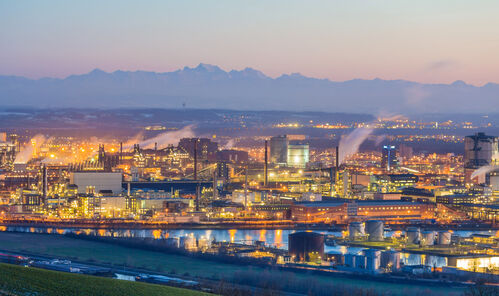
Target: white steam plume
(350,144)
(230,144)
(385,116)
(484,170)
(165,139)
(27,150)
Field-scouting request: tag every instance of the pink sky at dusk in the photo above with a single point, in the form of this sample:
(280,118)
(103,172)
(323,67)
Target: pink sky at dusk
(425,41)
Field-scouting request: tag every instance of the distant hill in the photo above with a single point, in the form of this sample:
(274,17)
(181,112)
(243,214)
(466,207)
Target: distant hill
(208,86)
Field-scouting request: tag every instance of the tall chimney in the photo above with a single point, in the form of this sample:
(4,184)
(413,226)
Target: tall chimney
(337,175)
(215,190)
(337,157)
(195,159)
(121,152)
(44,182)
(246,186)
(266,176)
(198,193)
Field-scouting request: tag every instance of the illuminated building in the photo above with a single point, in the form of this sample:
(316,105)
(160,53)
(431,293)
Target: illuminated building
(456,199)
(298,154)
(222,171)
(7,153)
(340,211)
(112,206)
(389,158)
(479,150)
(279,150)
(94,182)
(232,156)
(206,149)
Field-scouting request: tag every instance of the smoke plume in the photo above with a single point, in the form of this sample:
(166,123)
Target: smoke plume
(484,170)
(350,144)
(230,144)
(27,150)
(165,139)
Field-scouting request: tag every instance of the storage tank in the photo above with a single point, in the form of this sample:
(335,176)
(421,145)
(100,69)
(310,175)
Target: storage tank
(373,259)
(350,260)
(375,230)
(356,230)
(390,260)
(301,244)
(444,238)
(360,261)
(427,238)
(188,242)
(413,235)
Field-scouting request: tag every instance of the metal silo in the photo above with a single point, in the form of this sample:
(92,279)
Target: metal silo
(427,238)
(303,244)
(375,230)
(444,238)
(356,230)
(413,235)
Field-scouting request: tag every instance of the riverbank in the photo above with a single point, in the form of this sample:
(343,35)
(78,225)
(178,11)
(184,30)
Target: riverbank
(247,225)
(97,252)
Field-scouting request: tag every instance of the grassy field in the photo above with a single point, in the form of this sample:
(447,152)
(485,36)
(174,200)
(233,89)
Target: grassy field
(89,251)
(33,281)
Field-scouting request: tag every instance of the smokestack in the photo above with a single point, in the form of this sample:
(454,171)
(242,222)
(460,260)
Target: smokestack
(246,186)
(195,159)
(198,193)
(266,176)
(102,154)
(215,190)
(331,181)
(337,157)
(44,182)
(121,152)
(155,146)
(337,175)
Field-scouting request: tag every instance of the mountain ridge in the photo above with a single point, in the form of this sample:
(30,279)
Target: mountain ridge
(209,86)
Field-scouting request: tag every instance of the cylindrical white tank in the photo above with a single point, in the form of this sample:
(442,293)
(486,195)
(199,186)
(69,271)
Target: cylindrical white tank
(427,238)
(356,230)
(413,235)
(444,238)
(375,230)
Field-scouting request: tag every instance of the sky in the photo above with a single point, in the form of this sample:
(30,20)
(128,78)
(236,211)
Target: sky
(431,41)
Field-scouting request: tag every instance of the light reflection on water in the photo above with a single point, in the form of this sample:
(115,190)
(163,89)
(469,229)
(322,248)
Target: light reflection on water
(274,237)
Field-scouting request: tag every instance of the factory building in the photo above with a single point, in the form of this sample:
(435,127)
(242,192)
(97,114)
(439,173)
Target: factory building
(232,156)
(7,153)
(298,154)
(319,211)
(279,150)
(95,182)
(479,150)
(341,211)
(206,149)
(389,159)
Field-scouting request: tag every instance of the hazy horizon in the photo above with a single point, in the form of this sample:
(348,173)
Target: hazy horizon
(238,70)
(432,42)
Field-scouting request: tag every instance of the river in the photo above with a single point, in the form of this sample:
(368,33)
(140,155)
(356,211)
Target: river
(277,238)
